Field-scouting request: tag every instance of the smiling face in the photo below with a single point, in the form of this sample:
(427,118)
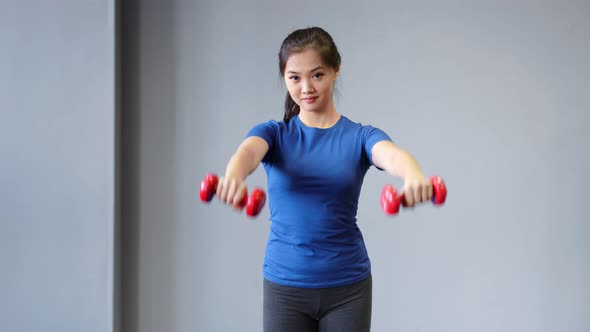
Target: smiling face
(310,81)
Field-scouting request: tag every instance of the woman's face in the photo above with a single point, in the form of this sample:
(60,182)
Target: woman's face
(309,81)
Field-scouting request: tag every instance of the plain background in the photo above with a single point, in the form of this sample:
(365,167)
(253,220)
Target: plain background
(492,95)
(57,165)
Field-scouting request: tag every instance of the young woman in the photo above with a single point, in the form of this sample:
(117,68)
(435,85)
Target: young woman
(317,274)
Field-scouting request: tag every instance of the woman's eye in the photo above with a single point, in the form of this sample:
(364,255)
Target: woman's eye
(318,75)
(294,78)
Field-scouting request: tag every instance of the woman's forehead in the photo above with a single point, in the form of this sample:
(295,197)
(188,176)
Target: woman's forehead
(307,60)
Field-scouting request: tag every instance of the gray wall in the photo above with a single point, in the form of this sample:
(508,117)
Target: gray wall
(493,96)
(57,165)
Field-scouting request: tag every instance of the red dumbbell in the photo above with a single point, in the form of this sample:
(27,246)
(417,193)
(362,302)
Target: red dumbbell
(391,201)
(253,203)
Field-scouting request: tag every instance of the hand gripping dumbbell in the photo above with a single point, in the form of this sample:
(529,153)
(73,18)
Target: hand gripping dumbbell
(391,201)
(253,203)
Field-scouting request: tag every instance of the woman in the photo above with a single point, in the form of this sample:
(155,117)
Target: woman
(317,273)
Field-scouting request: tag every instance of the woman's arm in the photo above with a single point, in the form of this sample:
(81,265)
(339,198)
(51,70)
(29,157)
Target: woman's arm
(400,163)
(232,187)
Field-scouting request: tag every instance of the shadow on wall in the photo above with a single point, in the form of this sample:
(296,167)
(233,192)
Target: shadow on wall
(147,85)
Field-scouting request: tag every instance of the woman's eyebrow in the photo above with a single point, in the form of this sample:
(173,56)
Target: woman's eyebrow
(316,68)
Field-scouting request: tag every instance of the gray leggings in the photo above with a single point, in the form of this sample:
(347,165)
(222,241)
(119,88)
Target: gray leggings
(343,309)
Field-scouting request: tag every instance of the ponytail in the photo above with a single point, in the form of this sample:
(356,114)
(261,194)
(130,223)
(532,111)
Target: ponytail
(291,108)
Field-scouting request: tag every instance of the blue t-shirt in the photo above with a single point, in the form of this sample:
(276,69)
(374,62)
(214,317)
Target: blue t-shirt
(314,182)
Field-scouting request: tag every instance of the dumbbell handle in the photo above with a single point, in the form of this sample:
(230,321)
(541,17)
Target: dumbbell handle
(253,203)
(391,201)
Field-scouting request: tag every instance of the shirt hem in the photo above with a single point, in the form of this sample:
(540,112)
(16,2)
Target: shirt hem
(325,284)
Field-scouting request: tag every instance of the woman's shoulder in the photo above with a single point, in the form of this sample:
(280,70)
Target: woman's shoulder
(269,127)
(354,124)
(367,131)
(271,123)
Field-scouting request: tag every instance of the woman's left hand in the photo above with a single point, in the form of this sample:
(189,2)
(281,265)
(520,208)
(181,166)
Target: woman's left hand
(417,189)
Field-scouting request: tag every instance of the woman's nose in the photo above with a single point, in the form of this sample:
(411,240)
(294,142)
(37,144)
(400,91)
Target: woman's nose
(307,88)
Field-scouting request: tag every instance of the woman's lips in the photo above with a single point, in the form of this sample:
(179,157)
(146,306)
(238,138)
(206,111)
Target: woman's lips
(310,100)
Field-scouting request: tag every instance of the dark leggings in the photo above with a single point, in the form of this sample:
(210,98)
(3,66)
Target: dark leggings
(343,309)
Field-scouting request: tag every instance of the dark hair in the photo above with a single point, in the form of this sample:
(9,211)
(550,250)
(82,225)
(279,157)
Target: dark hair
(298,41)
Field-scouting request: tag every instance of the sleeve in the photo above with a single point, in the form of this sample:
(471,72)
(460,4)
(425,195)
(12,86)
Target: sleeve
(268,132)
(372,136)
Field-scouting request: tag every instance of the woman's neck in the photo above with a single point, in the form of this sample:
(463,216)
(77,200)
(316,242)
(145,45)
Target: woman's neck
(319,119)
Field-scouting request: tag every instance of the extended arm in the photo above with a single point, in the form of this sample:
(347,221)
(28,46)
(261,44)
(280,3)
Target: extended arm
(244,161)
(400,163)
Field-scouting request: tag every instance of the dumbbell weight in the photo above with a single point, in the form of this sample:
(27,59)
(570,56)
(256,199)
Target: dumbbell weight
(391,200)
(253,202)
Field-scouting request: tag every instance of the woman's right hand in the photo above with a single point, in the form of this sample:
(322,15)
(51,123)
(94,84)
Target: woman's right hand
(231,188)
(232,191)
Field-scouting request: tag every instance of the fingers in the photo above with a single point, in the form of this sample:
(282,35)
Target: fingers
(231,192)
(410,197)
(429,193)
(417,192)
(239,197)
